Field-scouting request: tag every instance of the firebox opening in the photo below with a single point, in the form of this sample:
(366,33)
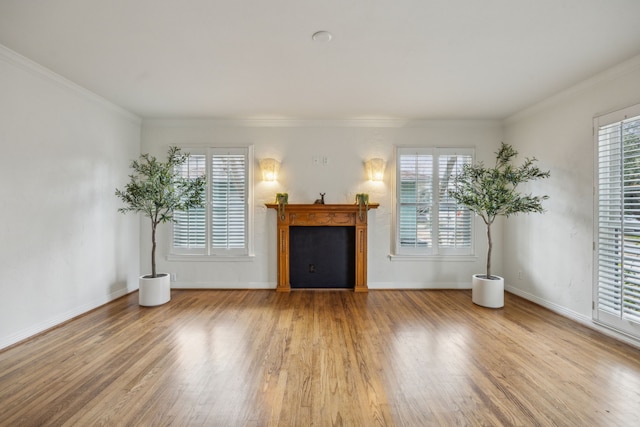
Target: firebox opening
(322,257)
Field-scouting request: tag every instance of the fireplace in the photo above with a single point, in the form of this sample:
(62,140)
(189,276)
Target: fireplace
(325,226)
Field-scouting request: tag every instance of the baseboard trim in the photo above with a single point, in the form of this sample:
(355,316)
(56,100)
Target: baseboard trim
(272,285)
(52,322)
(397,286)
(223,285)
(575,316)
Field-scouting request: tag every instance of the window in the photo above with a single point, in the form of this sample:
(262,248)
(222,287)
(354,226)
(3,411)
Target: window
(428,221)
(617,282)
(222,226)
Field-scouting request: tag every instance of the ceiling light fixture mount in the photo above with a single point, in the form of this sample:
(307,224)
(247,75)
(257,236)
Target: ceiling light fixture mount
(322,36)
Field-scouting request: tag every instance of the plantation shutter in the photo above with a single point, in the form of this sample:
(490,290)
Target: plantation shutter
(617,293)
(190,227)
(415,182)
(228,201)
(222,227)
(425,209)
(454,221)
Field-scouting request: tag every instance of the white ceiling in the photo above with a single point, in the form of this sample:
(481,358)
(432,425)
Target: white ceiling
(437,59)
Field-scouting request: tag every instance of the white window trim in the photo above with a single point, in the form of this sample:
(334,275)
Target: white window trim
(433,258)
(599,316)
(210,258)
(177,254)
(407,255)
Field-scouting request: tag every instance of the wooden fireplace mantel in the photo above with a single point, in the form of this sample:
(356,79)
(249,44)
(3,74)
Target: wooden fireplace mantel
(291,215)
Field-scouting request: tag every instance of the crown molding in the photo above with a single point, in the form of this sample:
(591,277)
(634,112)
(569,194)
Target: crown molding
(284,122)
(608,75)
(15,59)
(381,122)
(287,122)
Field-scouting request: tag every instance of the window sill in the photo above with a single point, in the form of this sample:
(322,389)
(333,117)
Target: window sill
(433,258)
(210,258)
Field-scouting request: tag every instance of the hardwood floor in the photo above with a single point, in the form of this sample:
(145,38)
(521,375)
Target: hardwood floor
(326,358)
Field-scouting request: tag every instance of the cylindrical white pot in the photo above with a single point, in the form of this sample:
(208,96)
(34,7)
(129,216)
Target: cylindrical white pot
(487,292)
(154,291)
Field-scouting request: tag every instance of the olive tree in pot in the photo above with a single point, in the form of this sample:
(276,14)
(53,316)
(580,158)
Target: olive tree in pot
(491,192)
(157,189)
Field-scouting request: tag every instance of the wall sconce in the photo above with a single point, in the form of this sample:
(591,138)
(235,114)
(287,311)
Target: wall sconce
(270,168)
(375,169)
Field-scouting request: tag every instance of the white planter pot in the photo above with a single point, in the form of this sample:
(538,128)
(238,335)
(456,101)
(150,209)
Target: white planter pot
(487,292)
(154,291)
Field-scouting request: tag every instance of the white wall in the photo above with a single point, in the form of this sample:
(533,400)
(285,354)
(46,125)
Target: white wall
(554,251)
(64,248)
(346,145)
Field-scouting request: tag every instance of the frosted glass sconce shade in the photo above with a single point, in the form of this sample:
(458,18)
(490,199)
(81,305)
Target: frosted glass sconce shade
(269,168)
(375,169)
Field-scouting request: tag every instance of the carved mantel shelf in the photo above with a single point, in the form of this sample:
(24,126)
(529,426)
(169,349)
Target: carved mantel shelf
(291,215)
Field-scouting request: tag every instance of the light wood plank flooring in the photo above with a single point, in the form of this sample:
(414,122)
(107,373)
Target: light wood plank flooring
(324,358)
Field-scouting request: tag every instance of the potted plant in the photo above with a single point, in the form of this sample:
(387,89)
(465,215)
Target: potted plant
(491,192)
(157,189)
